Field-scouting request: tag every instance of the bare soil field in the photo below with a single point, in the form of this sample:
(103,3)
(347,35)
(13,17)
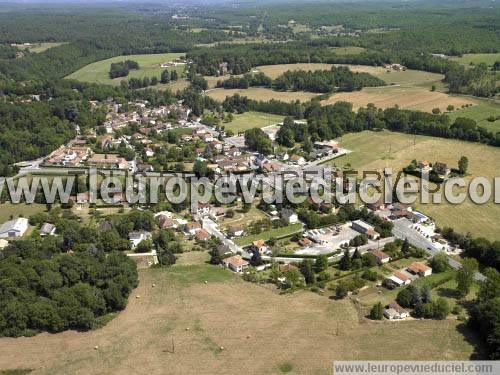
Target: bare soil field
(406,97)
(187,326)
(258,93)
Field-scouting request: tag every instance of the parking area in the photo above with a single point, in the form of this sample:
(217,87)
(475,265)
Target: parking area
(326,240)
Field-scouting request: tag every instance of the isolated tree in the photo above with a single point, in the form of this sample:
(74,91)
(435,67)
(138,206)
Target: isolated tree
(465,276)
(144,246)
(405,247)
(294,279)
(173,75)
(377,311)
(306,269)
(439,263)
(345,261)
(256,259)
(426,294)
(404,297)
(165,76)
(441,308)
(341,291)
(321,263)
(463,165)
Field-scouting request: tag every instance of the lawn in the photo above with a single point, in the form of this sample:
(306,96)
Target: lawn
(249,120)
(19,210)
(406,97)
(373,151)
(182,323)
(477,58)
(259,93)
(149,66)
(273,233)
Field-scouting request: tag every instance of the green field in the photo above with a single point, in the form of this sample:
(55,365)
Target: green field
(477,58)
(350,50)
(249,120)
(273,233)
(149,66)
(480,112)
(374,151)
(8,210)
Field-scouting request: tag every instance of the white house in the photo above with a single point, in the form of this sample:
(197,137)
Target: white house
(191,228)
(260,246)
(290,216)
(395,311)
(298,160)
(236,230)
(14,228)
(381,256)
(137,237)
(48,229)
(235,263)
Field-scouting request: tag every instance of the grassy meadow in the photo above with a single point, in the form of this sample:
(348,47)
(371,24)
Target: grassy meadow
(378,150)
(149,66)
(478,58)
(480,112)
(250,120)
(179,321)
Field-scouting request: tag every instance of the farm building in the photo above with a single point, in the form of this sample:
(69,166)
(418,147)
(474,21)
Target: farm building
(14,228)
(365,228)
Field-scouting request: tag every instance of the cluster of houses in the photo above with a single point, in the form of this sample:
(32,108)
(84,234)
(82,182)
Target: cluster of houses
(442,169)
(77,156)
(173,63)
(407,275)
(395,67)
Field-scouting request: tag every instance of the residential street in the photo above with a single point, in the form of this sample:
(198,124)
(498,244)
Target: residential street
(403,229)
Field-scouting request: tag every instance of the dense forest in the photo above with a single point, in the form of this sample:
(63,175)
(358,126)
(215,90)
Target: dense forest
(45,288)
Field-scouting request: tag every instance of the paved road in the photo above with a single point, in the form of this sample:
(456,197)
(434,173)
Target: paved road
(211,227)
(403,229)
